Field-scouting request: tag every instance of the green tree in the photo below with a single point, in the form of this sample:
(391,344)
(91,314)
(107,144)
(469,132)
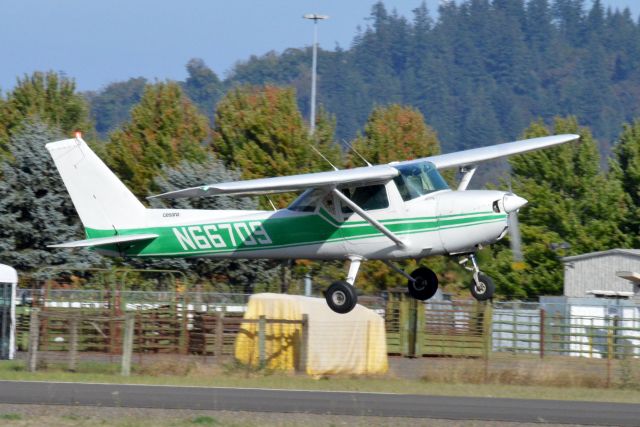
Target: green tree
(394,133)
(570,200)
(625,167)
(260,131)
(203,86)
(165,128)
(35,209)
(47,97)
(111,107)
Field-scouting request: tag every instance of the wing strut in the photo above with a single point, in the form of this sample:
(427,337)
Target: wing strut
(384,230)
(467,172)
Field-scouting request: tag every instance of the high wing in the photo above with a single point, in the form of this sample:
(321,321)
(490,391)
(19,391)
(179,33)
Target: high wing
(283,184)
(365,175)
(102,241)
(493,152)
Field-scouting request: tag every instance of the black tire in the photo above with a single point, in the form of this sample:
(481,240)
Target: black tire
(341,297)
(483,290)
(425,285)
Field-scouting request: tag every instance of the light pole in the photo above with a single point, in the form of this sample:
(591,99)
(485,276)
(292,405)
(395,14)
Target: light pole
(315,18)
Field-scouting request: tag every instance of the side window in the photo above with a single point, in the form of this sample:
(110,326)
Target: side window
(369,198)
(307,201)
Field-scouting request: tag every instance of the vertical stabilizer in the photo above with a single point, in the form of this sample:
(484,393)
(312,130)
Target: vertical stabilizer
(103,202)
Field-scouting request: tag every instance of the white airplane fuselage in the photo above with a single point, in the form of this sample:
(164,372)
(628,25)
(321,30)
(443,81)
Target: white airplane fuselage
(442,222)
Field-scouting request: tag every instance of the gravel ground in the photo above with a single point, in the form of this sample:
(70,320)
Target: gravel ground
(67,416)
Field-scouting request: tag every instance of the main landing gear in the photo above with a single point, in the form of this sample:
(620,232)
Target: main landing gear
(422,284)
(341,295)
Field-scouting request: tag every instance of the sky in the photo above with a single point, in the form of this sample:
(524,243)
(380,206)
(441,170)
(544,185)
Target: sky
(100,42)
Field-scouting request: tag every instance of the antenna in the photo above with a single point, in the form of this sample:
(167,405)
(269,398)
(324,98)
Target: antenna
(356,151)
(323,156)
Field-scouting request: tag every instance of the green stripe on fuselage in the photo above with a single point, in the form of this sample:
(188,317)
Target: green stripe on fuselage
(272,233)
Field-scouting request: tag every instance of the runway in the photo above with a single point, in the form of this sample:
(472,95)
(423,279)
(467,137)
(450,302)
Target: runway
(320,402)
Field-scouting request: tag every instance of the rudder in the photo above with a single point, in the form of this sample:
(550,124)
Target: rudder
(102,201)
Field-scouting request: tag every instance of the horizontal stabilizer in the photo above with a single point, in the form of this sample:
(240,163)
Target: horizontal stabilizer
(102,241)
(282,184)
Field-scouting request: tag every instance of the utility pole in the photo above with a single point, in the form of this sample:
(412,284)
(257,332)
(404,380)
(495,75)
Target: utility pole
(315,18)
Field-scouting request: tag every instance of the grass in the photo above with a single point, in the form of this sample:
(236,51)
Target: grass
(10,417)
(205,420)
(196,374)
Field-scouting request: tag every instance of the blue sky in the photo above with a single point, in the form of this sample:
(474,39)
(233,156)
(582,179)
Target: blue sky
(98,42)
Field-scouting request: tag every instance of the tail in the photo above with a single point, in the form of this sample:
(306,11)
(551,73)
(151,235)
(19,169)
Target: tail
(103,202)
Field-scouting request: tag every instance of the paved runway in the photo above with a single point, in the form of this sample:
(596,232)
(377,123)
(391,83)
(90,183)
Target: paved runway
(318,402)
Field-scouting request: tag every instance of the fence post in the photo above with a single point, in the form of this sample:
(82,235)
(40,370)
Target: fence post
(609,354)
(34,337)
(73,344)
(127,345)
(184,330)
(219,337)
(262,335)
(304,344)
(487,327)
(542,313)
(412,323)
(404,327)
(421,327)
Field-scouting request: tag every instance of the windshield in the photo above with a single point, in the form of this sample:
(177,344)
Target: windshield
(307,201)
(418,179)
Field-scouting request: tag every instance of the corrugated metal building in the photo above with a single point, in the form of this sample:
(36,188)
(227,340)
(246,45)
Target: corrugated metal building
(599,274)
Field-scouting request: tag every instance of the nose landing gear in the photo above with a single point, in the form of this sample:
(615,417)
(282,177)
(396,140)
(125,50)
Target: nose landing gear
(482,286)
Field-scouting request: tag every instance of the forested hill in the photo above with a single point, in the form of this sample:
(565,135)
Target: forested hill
(480,72)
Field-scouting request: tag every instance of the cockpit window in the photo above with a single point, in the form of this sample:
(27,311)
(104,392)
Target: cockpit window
(307,201)
(418,179)
(369,198)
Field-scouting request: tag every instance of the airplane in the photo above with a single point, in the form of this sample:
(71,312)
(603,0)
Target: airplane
(390,212)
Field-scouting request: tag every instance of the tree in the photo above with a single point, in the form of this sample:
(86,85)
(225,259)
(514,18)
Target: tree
(35,209)
(395,133)
(165,128)
(47,97)
(238,274)
(202,86)
(111,107)
(625,167)
(570,200)
(260,131)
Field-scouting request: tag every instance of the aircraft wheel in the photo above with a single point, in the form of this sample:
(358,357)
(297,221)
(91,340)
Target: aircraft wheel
(341,297)
(483,289)
(425,285)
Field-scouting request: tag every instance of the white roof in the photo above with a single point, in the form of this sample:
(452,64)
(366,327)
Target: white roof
(606,293)
(8,274)
(632,252)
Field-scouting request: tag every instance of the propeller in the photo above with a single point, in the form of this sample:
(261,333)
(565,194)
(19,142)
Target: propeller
(514,228)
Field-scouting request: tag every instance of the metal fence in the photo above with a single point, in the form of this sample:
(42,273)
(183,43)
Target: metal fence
(567,330)
(594,341)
